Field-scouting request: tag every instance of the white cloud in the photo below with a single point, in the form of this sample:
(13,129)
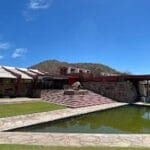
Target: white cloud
(40,4)
(19,52)
(27,15)
(33,6)
(1,57)
(4,45)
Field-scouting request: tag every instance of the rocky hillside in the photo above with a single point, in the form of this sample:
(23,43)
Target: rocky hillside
(53,66)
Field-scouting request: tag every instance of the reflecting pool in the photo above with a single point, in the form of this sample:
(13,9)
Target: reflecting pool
(126,119)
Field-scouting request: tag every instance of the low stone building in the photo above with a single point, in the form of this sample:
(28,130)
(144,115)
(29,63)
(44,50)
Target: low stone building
(53,82)
(74,70)
(18,81)
(7,83)
(22,82)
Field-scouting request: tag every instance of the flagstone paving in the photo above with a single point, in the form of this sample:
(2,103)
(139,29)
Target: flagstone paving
(60,139)
(18,100)
(74,101)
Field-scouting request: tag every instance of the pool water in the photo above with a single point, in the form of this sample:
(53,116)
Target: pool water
(126,119)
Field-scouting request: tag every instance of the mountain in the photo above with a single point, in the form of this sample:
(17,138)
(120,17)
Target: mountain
(53,67)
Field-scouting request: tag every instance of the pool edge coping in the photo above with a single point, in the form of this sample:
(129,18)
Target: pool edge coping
(75,139)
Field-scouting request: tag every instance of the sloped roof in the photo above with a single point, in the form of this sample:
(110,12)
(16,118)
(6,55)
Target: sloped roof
(6,74)
(23,75)
(27,71)
(36,71)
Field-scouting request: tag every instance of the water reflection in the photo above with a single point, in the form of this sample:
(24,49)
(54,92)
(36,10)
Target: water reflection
(128,119)
(146,113)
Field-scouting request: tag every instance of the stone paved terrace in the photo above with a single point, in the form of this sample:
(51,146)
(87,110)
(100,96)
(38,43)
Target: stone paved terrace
(18,100)
(74,101)
(142,104)
(60,139)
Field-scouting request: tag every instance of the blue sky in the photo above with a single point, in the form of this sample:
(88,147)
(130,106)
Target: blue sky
(112,32)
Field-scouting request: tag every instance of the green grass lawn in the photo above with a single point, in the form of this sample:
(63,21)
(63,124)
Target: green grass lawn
(7,110)
(25,147)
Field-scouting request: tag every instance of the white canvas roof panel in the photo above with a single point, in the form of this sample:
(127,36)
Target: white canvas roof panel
(23,75)
(9,72)
(37,71)
(6,74)
(27,71)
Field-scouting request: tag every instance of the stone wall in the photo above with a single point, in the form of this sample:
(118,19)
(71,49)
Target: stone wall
(120,91)
(7,90)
